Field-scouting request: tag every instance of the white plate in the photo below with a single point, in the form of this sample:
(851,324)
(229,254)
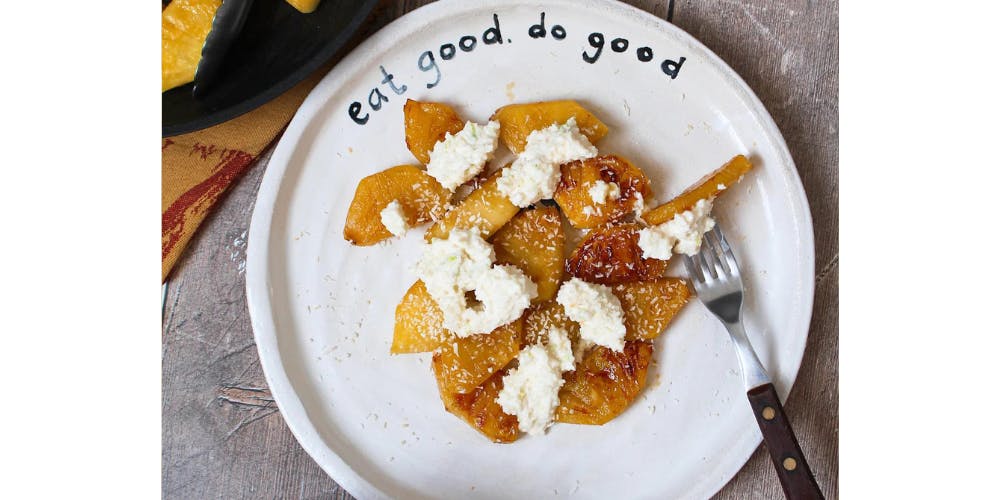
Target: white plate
(322,310)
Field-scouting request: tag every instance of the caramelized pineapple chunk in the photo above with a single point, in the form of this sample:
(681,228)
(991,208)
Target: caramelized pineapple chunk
(480,410)
(604,384)
(422,198)
(546,315)
(650,305)
(708,187)
(579,177)
(185,25)
(304,6)
(425,124)
(533,241)
(465,363)
(419,323)
(485,208)
(517,121)
(610,255)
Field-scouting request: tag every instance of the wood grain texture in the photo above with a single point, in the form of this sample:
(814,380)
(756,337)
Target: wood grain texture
(222,435)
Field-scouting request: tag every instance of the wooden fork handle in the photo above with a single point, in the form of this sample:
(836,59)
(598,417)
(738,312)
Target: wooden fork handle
(793,471)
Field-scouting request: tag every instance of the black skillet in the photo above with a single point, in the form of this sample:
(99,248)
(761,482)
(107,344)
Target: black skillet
(276,48)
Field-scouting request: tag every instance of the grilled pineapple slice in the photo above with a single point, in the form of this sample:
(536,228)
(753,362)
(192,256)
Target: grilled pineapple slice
(486,208)
(604,384)
(422,198)
(709,186)
(425,124)
(517,121)
(465,363)
(184,27)
(650,305)
(304,6)
(480,410)
(610,255)
(579,177)
(533,241)
(419,323)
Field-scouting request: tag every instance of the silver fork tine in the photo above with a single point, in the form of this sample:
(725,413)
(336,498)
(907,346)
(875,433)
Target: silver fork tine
(711,241)
(705,260)
(693,271)
(727,251)
(712,258)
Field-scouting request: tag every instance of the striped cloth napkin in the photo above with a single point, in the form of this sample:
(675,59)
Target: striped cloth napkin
(198,167)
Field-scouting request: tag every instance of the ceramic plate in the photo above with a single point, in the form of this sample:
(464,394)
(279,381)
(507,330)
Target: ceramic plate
(322,310)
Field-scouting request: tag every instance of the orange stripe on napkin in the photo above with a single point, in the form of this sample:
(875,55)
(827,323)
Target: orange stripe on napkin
(198,167)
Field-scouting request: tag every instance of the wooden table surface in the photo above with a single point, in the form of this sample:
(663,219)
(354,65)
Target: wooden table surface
(222,434)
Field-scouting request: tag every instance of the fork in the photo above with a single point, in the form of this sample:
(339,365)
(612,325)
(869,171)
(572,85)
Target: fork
(716,278)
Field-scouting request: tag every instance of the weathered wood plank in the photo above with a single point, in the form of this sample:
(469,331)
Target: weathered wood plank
(222,435)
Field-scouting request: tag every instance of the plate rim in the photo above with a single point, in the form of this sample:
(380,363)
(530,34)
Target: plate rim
(258,251)
(364,9)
